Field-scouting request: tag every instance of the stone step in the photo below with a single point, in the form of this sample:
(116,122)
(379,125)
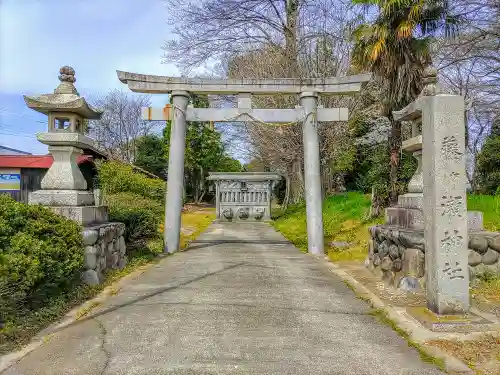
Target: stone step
(412,218)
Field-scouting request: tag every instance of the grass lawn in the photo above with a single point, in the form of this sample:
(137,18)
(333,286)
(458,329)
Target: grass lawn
(490,206)
(15,334)
(344,217)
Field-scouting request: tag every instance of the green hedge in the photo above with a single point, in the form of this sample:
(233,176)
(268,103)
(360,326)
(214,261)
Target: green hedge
(141,216)
(41,255)
(117,177)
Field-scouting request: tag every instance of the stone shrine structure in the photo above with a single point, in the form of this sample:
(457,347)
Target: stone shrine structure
(243,196)
(64,189)
(425,238)
(308,112)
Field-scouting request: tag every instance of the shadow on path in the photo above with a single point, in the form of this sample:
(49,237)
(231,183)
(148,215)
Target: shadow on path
(142,298)
(208,243)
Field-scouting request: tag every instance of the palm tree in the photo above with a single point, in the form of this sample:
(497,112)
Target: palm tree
(395,47)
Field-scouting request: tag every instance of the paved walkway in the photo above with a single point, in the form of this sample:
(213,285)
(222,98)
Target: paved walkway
(241,301)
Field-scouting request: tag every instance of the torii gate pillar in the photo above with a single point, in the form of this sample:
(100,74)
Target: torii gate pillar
(175,184)
(314,199)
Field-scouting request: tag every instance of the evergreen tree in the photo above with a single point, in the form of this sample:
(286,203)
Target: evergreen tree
(204,153)
(150,155)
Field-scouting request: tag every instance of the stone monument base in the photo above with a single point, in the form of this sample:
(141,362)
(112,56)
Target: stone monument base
(84,215)
(473,321)
(104,249)
(62,197)
(413,218)
(411,200)
(405,217)
(397,255)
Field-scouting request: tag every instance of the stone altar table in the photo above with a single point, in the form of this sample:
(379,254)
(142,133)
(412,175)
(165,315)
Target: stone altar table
(243,196)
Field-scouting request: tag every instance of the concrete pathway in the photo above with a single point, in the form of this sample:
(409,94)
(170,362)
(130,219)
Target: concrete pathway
(241,301)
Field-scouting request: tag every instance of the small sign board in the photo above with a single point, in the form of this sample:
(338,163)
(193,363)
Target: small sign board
(10,179)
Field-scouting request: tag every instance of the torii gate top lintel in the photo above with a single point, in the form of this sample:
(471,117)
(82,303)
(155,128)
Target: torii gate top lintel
(154,84)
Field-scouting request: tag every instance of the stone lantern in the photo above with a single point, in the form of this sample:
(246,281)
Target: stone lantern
(63,187)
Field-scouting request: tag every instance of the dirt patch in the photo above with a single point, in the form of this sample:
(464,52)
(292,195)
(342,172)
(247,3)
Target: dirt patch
(187,231)
(483,355)
(486,296)
(387,294)
(202,207)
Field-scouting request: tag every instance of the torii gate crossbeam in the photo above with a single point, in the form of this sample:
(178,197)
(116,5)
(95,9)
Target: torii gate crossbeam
(308,112)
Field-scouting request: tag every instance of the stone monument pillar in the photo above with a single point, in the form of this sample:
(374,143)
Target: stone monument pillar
(445,204)
(64,189)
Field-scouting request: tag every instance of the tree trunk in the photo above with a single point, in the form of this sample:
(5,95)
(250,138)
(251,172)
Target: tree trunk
(328,180)
(296,181)
(200,187)
(286,200)
(290,31)
(375,204)
(340,183)
(395,151)
(201,197)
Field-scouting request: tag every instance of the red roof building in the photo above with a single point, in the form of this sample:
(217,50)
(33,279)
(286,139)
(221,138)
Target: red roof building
(35,161)
(22,174)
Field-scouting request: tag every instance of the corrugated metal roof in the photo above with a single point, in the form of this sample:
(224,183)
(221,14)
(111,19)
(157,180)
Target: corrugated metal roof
(35,161)
(12,151)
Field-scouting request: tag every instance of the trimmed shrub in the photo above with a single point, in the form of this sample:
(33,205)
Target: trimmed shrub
(117,177)
(41,255)
(141,216)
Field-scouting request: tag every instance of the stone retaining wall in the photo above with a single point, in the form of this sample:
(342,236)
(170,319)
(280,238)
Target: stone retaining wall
(105,249)
(398,255)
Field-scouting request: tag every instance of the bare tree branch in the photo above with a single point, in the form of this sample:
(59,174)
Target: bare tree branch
(121,124)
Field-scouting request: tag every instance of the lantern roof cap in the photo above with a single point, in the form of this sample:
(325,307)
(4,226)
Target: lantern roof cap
(64,99)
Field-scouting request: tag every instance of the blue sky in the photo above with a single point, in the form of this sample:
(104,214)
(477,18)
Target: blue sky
(95,37)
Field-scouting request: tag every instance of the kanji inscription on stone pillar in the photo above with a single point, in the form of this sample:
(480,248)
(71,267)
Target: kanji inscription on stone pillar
(445,209)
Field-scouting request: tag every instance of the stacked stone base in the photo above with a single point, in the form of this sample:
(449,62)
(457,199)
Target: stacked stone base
(397,255)
(105,249)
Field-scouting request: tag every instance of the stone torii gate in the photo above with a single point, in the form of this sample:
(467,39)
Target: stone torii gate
(308,112)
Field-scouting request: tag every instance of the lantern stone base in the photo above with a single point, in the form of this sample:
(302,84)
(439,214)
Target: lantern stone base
(84,215)
(62,197)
